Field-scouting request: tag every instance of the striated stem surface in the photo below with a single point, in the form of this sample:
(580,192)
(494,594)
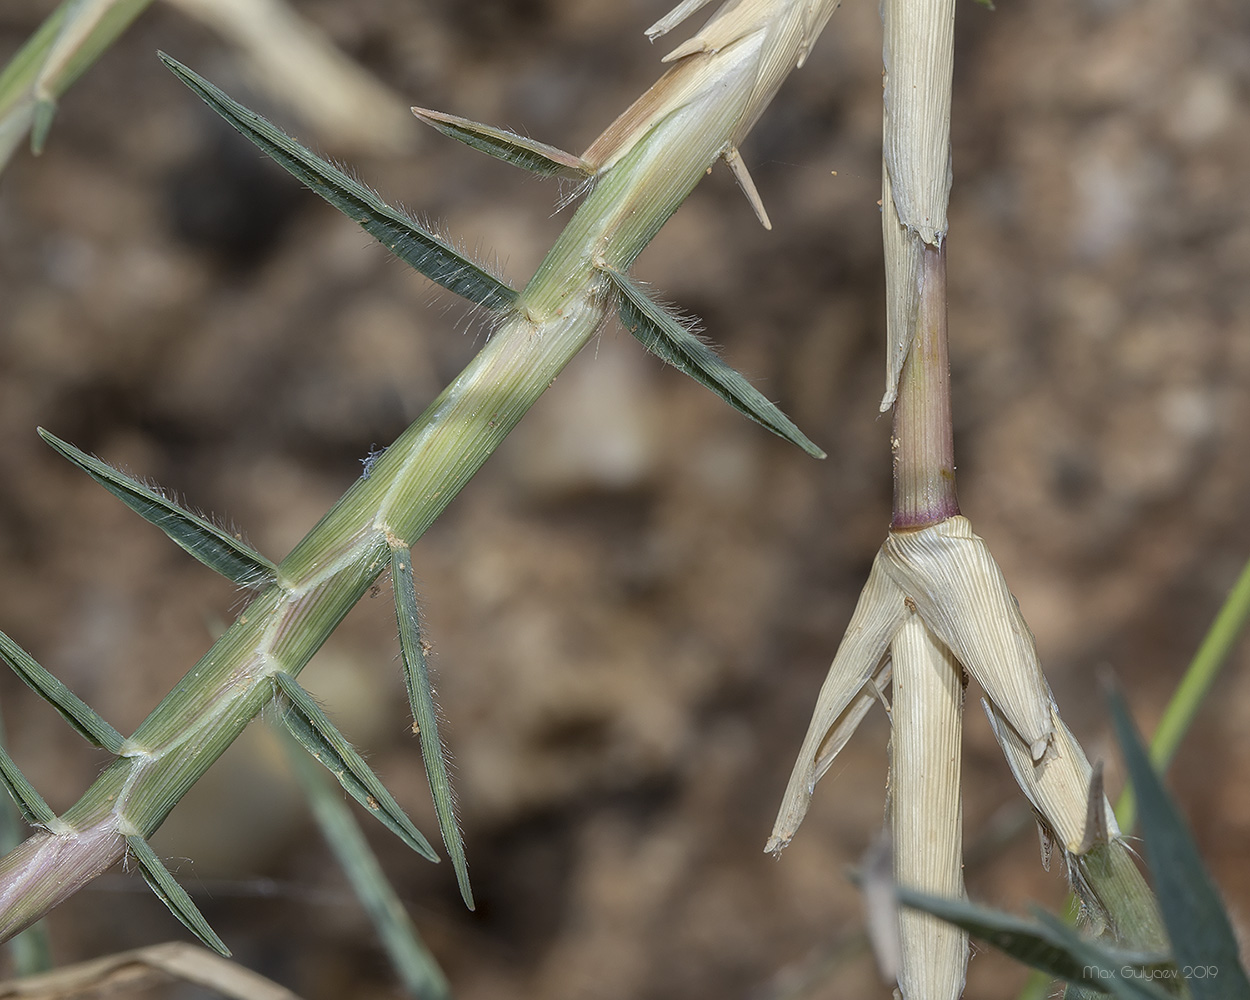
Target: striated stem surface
(702,107)
(923,441)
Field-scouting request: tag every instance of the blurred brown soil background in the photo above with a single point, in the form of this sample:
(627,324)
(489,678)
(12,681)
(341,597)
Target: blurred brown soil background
(633,604)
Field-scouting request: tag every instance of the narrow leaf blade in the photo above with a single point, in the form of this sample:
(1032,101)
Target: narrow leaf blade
(425,717)
(413,963)
(1035,944)
(41,124)
(29,949)
(663,336)
(73,709)
(414,245)
(306,721)
(1192,910)
(169,892)
(528,154)
(1126,979)
(214,547)
(34,809)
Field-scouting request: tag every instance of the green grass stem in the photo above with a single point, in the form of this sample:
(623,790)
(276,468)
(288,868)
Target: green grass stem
(70,39)
(335,565)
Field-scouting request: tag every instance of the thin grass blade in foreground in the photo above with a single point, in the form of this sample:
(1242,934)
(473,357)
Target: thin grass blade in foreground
(412,961)
(1056,950)
(1199,928)
(661,334)
(647,163)
(528,154)
(1213,652)
(81,716)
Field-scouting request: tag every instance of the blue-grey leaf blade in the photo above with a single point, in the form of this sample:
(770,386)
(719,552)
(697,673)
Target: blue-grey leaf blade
(215,547)
(1197,923)
(309,725)
(425,715)
(85,719)
(403,236)
(174,896)
(664,336)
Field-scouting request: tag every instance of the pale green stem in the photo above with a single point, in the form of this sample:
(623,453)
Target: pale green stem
(338,561)
(54,57)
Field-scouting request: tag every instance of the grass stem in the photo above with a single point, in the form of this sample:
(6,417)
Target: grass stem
(923,440)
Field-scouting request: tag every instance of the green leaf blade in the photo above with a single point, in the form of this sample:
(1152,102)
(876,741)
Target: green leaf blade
(663,336)
(425,716)
(85,719)
(414,245)
(214,547)
(174,896)
(528,154)
(1197,923)
(413,963)
(1131,977)
(1088,964)
(41,124)
(34,809)
(309,725)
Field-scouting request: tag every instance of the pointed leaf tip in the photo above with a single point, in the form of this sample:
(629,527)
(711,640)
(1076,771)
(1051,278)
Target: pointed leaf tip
(1048,945)
(414,965)
(738,168)
(1197,923)
(174,896)
(401,235)
(1097,829)
(528,154)
(34,809)
(674,17)
(309,725)
(665,337)
(425,716)
(85,719)
(215,547)
(41,125)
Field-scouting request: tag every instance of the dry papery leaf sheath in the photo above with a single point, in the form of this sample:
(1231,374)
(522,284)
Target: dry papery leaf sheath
(936,608)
